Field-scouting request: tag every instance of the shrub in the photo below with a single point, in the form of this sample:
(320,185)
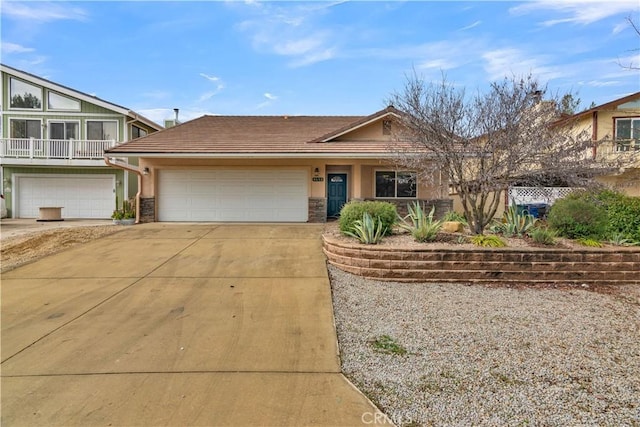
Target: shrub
(543,236)
(353,211)
(489,241)
(577,217)
(367,230)
(623,213)
(423,227)
(593,243)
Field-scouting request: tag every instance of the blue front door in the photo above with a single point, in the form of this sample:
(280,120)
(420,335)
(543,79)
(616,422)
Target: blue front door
(337,190)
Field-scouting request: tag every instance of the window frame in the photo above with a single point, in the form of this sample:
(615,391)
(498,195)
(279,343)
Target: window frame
(140,129)
(24,119)
(631,143)
(50,92)
(86,129)
(10,89)
(65,122)
(395,184)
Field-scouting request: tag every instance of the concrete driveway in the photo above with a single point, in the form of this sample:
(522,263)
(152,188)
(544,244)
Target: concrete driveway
(177,324)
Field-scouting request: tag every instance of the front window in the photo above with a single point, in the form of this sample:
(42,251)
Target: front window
(24,95)
(23,128)
(628,134)
(392,184)
(63,130)
(102,130)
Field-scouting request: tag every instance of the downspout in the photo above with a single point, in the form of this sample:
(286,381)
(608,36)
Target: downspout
(127,167)
(594,134)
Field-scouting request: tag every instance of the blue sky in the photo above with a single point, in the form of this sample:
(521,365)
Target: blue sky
(315,58)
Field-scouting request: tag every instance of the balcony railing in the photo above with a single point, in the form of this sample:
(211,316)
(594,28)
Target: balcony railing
(31,148)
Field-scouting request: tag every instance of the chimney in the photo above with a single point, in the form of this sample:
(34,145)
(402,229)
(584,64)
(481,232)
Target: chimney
(171,123)
(176,110)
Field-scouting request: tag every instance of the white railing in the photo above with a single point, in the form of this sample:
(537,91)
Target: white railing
(31,148)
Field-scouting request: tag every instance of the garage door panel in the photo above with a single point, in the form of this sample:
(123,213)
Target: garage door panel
(80,196)
(233,195)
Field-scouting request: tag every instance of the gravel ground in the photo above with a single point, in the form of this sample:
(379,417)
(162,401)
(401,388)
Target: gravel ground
(491,356)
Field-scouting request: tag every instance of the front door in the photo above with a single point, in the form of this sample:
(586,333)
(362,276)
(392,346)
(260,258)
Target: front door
(337,190)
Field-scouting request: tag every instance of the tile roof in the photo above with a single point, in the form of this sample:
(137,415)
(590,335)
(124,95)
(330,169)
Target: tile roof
(261,135)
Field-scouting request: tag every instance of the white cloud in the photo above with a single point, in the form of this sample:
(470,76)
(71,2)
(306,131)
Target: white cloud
(270,96)
(470,26)
(15,48)
(577,11)
(211,93)
(210,78)
(500,63)
(43,11)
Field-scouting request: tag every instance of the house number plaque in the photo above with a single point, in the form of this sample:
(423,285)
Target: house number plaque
(317,179)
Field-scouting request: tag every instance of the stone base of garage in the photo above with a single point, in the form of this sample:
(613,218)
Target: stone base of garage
(504,265)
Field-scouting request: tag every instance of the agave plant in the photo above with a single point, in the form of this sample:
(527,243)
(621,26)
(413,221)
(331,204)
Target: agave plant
(515,223)
(421,225)
(367,230)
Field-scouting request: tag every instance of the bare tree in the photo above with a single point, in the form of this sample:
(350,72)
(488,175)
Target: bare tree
(489,141)
(636,28)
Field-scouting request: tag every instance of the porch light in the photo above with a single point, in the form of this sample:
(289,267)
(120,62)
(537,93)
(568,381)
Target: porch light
(316,172)
(145,171)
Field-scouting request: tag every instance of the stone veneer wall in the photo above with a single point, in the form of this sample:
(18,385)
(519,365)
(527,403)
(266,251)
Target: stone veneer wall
(147,209)
(506,265)
(317,209)
(442,205)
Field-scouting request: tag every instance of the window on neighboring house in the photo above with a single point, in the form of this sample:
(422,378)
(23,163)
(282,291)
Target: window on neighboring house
(391,184)
(137,132)
(24,128)
(24,95)
(63,130)
(386,127)
(628,134)
(59,102)
(102,130)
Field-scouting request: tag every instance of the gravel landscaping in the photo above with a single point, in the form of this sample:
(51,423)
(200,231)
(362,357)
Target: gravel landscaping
(491,356)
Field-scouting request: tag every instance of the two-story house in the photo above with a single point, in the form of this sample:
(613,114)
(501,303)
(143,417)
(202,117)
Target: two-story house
(51,148)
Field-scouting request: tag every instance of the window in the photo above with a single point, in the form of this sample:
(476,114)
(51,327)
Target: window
(392,184)
(63,130)
(59,102)
(137,132)
(24,95)
(23,128)
(98,130)
(628,134)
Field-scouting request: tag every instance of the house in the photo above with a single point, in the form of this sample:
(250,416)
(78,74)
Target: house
(271,168)
(52,142)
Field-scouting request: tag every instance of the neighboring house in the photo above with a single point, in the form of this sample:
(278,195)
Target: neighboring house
(271,168)
(615,131)
(52,146)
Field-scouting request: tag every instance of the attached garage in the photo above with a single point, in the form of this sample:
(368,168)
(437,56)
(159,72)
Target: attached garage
(80,196)
(233,195)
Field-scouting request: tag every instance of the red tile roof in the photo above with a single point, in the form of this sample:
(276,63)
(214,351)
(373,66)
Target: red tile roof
(262,135)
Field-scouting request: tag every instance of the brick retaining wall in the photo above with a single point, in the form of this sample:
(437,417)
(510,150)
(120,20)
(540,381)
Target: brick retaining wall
(508,265)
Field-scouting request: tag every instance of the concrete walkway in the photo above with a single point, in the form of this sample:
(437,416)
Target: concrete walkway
(167,324)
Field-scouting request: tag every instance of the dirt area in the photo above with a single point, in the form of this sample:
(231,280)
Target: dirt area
(21,249)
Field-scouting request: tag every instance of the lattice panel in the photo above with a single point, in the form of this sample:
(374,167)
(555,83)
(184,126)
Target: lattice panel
(533,195)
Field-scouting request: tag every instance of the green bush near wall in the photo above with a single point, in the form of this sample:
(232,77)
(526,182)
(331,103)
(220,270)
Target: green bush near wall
(354,210)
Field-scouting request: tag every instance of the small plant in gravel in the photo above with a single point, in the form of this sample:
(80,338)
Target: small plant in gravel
(488,241)
(421,225)
(386,344)
(592,243)
(543,236)
(368,230)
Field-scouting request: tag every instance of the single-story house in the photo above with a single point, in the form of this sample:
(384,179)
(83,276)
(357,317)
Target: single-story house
(272,168)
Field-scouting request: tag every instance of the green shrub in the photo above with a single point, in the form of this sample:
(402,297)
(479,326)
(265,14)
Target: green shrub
(353,211)
(514,223)
(423,227)
(623,213)
(367,230)
(543,236)
(454,216)
(489,241)
(578,217)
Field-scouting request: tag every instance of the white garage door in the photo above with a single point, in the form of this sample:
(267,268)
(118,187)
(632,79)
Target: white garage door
(233,195)
(81,196)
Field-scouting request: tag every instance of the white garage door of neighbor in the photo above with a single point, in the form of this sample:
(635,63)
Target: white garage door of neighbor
(233,195)
(80,196)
